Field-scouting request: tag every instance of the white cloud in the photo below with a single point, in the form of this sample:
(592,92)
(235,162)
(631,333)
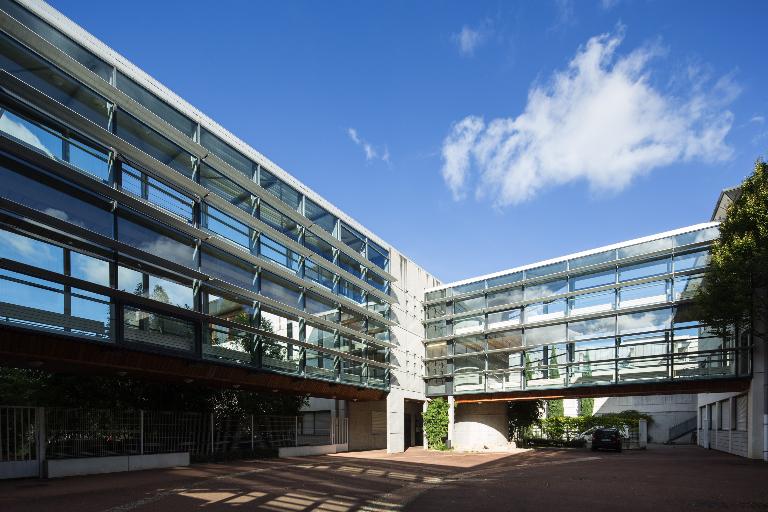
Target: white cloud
(468,39)
(757,119)
(22,132)
(601,120)
(608,4)
(371,153)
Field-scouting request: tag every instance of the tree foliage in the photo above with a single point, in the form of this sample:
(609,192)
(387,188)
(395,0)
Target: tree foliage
(555,408)
(436,423)
(586,406)
(734,288)
(566,428)
(521,415)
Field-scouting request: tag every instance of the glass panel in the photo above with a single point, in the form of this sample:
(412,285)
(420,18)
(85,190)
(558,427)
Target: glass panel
(436,368)
(687,286)
(646,247)
(226,188)
(437,330)
(155,145)
(377,281)
(160,330)
(170,292)
(469,324)
(351,371)
(280,356)
(592,302)
(590,368)
(505,297)
(541,290)
(156,192)
(58,39)
(645,269)
(646,293)
(698,259)
(225,226)
(155,105)
(695,237)
(226,267)
(34,252)
(350,265)
(351,291)
(437,294)
(320,336)
(439,349)
(352,320)
(318,274)
(503,318)
(352,238)
(29,68)
(377,305)
(232,308)
(279,322)
(279,189)
(318,246)
(505,339)
(541,311)
(505,279)
(84,267)
(468,373)
(546,270)
(321,307)
(319,215)
(592,280)
(279,289)
(320,364)
(378,255)
(468,344)
(468,287)
(547,334)
(278,253)
(277,220)
(226,153)
(592,259)
(155,239)
(644,321)
(60,201)
(436,310)
(593,328)
(462,306)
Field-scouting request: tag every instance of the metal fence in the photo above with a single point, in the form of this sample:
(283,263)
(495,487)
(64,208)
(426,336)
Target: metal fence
(76,433)
(18,434)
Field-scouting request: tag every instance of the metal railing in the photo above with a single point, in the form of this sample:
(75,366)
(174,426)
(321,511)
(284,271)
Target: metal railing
(682,428)
(18,434)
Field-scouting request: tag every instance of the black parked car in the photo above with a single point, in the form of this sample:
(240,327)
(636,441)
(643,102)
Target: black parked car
(606,438)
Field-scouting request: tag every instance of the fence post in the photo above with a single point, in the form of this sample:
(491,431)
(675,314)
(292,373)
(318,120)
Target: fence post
(252,433)
(296,441)
(141,432)
(41,441)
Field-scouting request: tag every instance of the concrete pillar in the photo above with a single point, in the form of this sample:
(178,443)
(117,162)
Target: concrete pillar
(395,421)
(451,419)
(643,434)
(424,406)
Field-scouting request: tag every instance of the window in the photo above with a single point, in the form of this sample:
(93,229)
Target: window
(319,215)
(155,105)
(279,189)
(28,67)
(723,415)
(469,287)
(699,259)
(142,185)
(59,200)
(352,238)
(468,324)
(505,297)
(468,344)
(646,293)
(378,255)
(661,244)
(505,339)
(699,236)
(156,239)
(146,139)
(462,306)
(278,253)
(439,349)
(592,302)
(547,334)
(226,188)
(319,246)
(645,269)
(503,318)
(537,291)
(545,270)
(592,259)
(279,289)
(585,281)
(318,274)
(277,220)
(541,311)
(644,321)
(593,328)
(351,265)
(320,336)
(225,226)
(505,279)
(377,281)
(321,307)
(226,152)
(351,291)
(741,413)
(437,330)
(226,267)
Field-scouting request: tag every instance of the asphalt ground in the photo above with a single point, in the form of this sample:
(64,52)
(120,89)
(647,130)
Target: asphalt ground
(658,479)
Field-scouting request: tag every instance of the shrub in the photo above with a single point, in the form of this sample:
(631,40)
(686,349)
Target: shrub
(436,423)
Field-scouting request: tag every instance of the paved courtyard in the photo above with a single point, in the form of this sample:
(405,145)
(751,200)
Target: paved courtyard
(659,479)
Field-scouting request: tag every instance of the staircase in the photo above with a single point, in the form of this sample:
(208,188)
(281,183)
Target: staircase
(681,429)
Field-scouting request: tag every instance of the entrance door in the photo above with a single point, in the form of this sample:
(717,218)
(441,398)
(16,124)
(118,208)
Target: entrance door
(407,432)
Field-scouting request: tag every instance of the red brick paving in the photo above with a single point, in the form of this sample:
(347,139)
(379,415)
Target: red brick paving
(659,479)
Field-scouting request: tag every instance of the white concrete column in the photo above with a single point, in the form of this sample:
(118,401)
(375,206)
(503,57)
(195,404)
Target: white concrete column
(424,406)
(451,419)
(395,421)
(643,433)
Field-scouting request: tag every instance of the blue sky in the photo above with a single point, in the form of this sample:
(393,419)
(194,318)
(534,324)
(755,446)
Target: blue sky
(475,136)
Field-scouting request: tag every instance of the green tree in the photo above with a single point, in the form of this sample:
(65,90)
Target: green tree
(586,406)
(436,423)
(554,371)
(555,408)
(522,414)
(735,287)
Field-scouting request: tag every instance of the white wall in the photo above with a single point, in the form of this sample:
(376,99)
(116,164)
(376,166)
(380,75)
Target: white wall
(481,427)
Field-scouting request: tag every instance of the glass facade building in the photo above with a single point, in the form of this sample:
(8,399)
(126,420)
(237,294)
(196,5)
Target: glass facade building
(128,219)
(610,316)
